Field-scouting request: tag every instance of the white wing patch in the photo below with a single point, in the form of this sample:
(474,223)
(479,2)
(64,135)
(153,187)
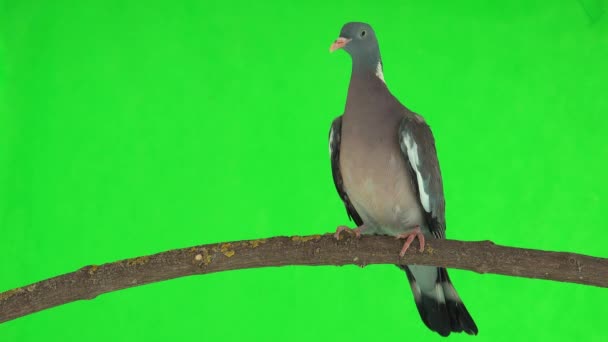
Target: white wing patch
(412,153)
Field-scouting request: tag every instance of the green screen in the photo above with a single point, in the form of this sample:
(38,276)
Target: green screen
(130,128)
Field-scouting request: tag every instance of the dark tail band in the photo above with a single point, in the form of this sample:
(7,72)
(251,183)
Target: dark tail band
(441,310)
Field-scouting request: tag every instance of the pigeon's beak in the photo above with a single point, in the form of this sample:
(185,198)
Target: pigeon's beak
(338,44)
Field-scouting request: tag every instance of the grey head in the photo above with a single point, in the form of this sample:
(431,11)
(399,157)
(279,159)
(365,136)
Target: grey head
(359,40)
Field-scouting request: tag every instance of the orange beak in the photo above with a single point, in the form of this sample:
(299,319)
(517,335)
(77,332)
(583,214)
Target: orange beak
(338,44)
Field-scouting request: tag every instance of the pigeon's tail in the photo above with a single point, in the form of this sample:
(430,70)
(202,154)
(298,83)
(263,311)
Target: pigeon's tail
(438,303)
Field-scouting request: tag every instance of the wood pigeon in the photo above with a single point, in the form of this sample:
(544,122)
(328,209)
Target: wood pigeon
(385,168)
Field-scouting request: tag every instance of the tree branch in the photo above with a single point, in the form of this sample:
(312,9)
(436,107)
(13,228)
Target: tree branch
(483,257)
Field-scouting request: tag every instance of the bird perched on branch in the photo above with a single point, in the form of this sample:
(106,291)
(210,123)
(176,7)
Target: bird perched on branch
(385,168)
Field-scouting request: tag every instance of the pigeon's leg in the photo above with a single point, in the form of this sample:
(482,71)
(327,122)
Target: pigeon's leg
(409,237)
(357,231)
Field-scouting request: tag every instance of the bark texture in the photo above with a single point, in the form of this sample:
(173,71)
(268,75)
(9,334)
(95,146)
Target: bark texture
(479,256)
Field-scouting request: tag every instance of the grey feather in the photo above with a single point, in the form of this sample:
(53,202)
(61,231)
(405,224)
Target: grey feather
(386,171)
(334,155)
(413,129)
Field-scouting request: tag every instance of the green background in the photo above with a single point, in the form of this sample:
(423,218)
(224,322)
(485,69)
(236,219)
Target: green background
(129,128)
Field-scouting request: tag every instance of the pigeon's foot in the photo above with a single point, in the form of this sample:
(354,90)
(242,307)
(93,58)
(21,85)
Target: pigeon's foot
(357,231)
(409,237)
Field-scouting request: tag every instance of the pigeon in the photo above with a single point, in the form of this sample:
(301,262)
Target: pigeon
(385,169)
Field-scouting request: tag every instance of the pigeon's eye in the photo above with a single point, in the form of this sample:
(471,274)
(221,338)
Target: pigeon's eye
(363,33)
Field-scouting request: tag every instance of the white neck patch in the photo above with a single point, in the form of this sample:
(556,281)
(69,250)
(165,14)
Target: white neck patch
(379,73)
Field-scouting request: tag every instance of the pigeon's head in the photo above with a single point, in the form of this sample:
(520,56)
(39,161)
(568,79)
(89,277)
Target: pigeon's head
(359,40)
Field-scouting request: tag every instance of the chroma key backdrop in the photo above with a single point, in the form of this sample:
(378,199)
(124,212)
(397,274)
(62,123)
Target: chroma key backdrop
(130,128)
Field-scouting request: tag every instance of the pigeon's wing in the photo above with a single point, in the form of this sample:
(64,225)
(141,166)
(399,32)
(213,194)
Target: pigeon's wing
(418,148)
(440,307)
(335,134)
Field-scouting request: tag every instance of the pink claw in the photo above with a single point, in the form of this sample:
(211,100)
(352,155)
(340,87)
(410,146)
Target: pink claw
(339,230)
(357,231)
(409,237)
